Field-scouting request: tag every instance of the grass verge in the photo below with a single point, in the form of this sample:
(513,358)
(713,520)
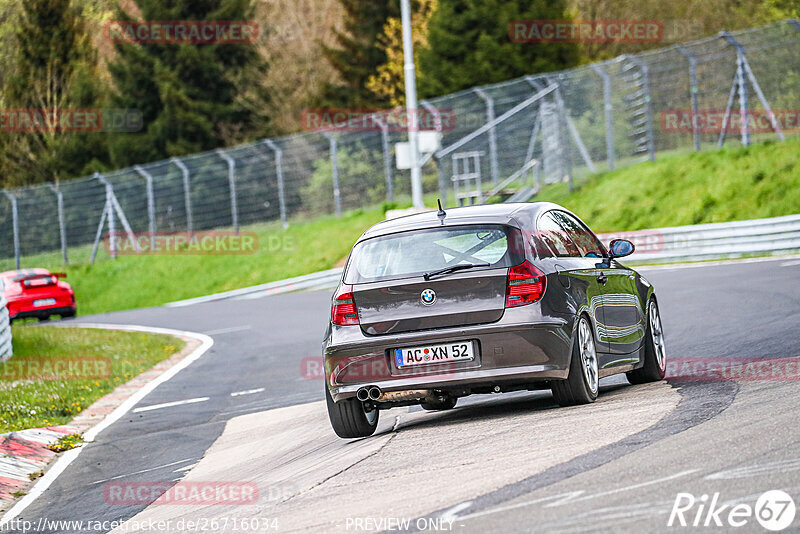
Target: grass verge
(39,402)
(138,281)
(735,183)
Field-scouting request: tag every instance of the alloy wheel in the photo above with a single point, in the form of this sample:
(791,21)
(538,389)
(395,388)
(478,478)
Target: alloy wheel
(588,355)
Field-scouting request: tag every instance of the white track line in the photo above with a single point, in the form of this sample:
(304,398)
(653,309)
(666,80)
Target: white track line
(229,330)
(170,404)
(171,464)
(246,392)
(69,456)
(570,496)
(790,263)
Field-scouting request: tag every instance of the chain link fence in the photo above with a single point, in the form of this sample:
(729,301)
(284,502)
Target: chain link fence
(495,140)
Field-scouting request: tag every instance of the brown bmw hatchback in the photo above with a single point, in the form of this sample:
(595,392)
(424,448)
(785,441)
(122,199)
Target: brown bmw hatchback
(484,299)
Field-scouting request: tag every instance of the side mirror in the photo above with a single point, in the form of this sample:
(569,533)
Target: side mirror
(619,248)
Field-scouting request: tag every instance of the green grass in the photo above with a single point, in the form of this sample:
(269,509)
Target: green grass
(735,183)
(136,281)
(48,402)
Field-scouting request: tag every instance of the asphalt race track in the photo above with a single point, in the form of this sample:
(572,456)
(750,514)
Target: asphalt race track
(505,463)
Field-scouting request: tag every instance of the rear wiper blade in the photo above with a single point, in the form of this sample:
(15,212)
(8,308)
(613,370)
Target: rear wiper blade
(454,268)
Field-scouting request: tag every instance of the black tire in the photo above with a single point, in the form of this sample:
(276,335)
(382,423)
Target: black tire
(576,389)
(654,369)
(349,419)
(436,406)
(69,314)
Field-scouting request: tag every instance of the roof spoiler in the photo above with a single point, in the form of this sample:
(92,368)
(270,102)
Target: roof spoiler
(24,280)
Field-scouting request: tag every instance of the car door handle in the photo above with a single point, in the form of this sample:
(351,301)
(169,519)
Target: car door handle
(602,278)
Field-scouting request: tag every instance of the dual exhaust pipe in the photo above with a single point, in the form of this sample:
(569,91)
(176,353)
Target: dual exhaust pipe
(374,393)
(369,393)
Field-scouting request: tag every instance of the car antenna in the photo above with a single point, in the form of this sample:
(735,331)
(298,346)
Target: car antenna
(441,213)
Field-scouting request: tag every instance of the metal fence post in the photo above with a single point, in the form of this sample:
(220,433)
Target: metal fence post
(62,229)
(187,198)
(151,205)
(15,224)
(609,113)
(492,133)
(337,197)
(109,211)
(752,77)
(437,117)
(232,184)
(693,91)
(567,150)
(651,144)
(742,88)
(387,158)
(279,173)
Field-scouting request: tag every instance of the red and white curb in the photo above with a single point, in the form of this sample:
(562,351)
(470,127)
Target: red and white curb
(25,452)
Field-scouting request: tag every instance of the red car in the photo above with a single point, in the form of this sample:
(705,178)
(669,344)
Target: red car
(37,293)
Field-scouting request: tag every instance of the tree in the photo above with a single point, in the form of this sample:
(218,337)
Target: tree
(469,44)
(389,80)
(357,54)
(298,69)
(52,72)
(192,97)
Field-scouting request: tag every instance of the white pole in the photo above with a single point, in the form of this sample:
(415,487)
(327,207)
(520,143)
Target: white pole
(411,104)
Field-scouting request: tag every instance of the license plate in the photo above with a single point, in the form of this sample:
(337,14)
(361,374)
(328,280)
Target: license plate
(429,354)
(43,302)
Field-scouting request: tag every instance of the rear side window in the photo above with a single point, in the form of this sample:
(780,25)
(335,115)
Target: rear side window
(584,239)
(553,240)
(414,253)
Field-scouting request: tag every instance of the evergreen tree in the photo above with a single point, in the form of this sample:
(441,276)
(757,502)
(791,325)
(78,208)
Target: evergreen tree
(53,69)
(389,80)
(358,55)
(192,97)
(469,44)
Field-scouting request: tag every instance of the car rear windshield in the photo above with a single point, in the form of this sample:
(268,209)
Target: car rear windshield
(416,252)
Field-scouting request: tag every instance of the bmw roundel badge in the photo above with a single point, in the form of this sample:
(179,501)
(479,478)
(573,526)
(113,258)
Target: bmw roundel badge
(428,297)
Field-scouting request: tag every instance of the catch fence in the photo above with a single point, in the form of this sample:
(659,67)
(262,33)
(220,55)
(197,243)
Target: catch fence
(495,141)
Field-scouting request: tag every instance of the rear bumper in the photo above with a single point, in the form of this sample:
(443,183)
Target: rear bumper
(523,347)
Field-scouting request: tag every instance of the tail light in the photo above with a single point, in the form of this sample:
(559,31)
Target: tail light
(343,308)
(526,285)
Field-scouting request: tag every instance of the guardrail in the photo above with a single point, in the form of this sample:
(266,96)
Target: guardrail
(5,331)
(778,235)
(309,282)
